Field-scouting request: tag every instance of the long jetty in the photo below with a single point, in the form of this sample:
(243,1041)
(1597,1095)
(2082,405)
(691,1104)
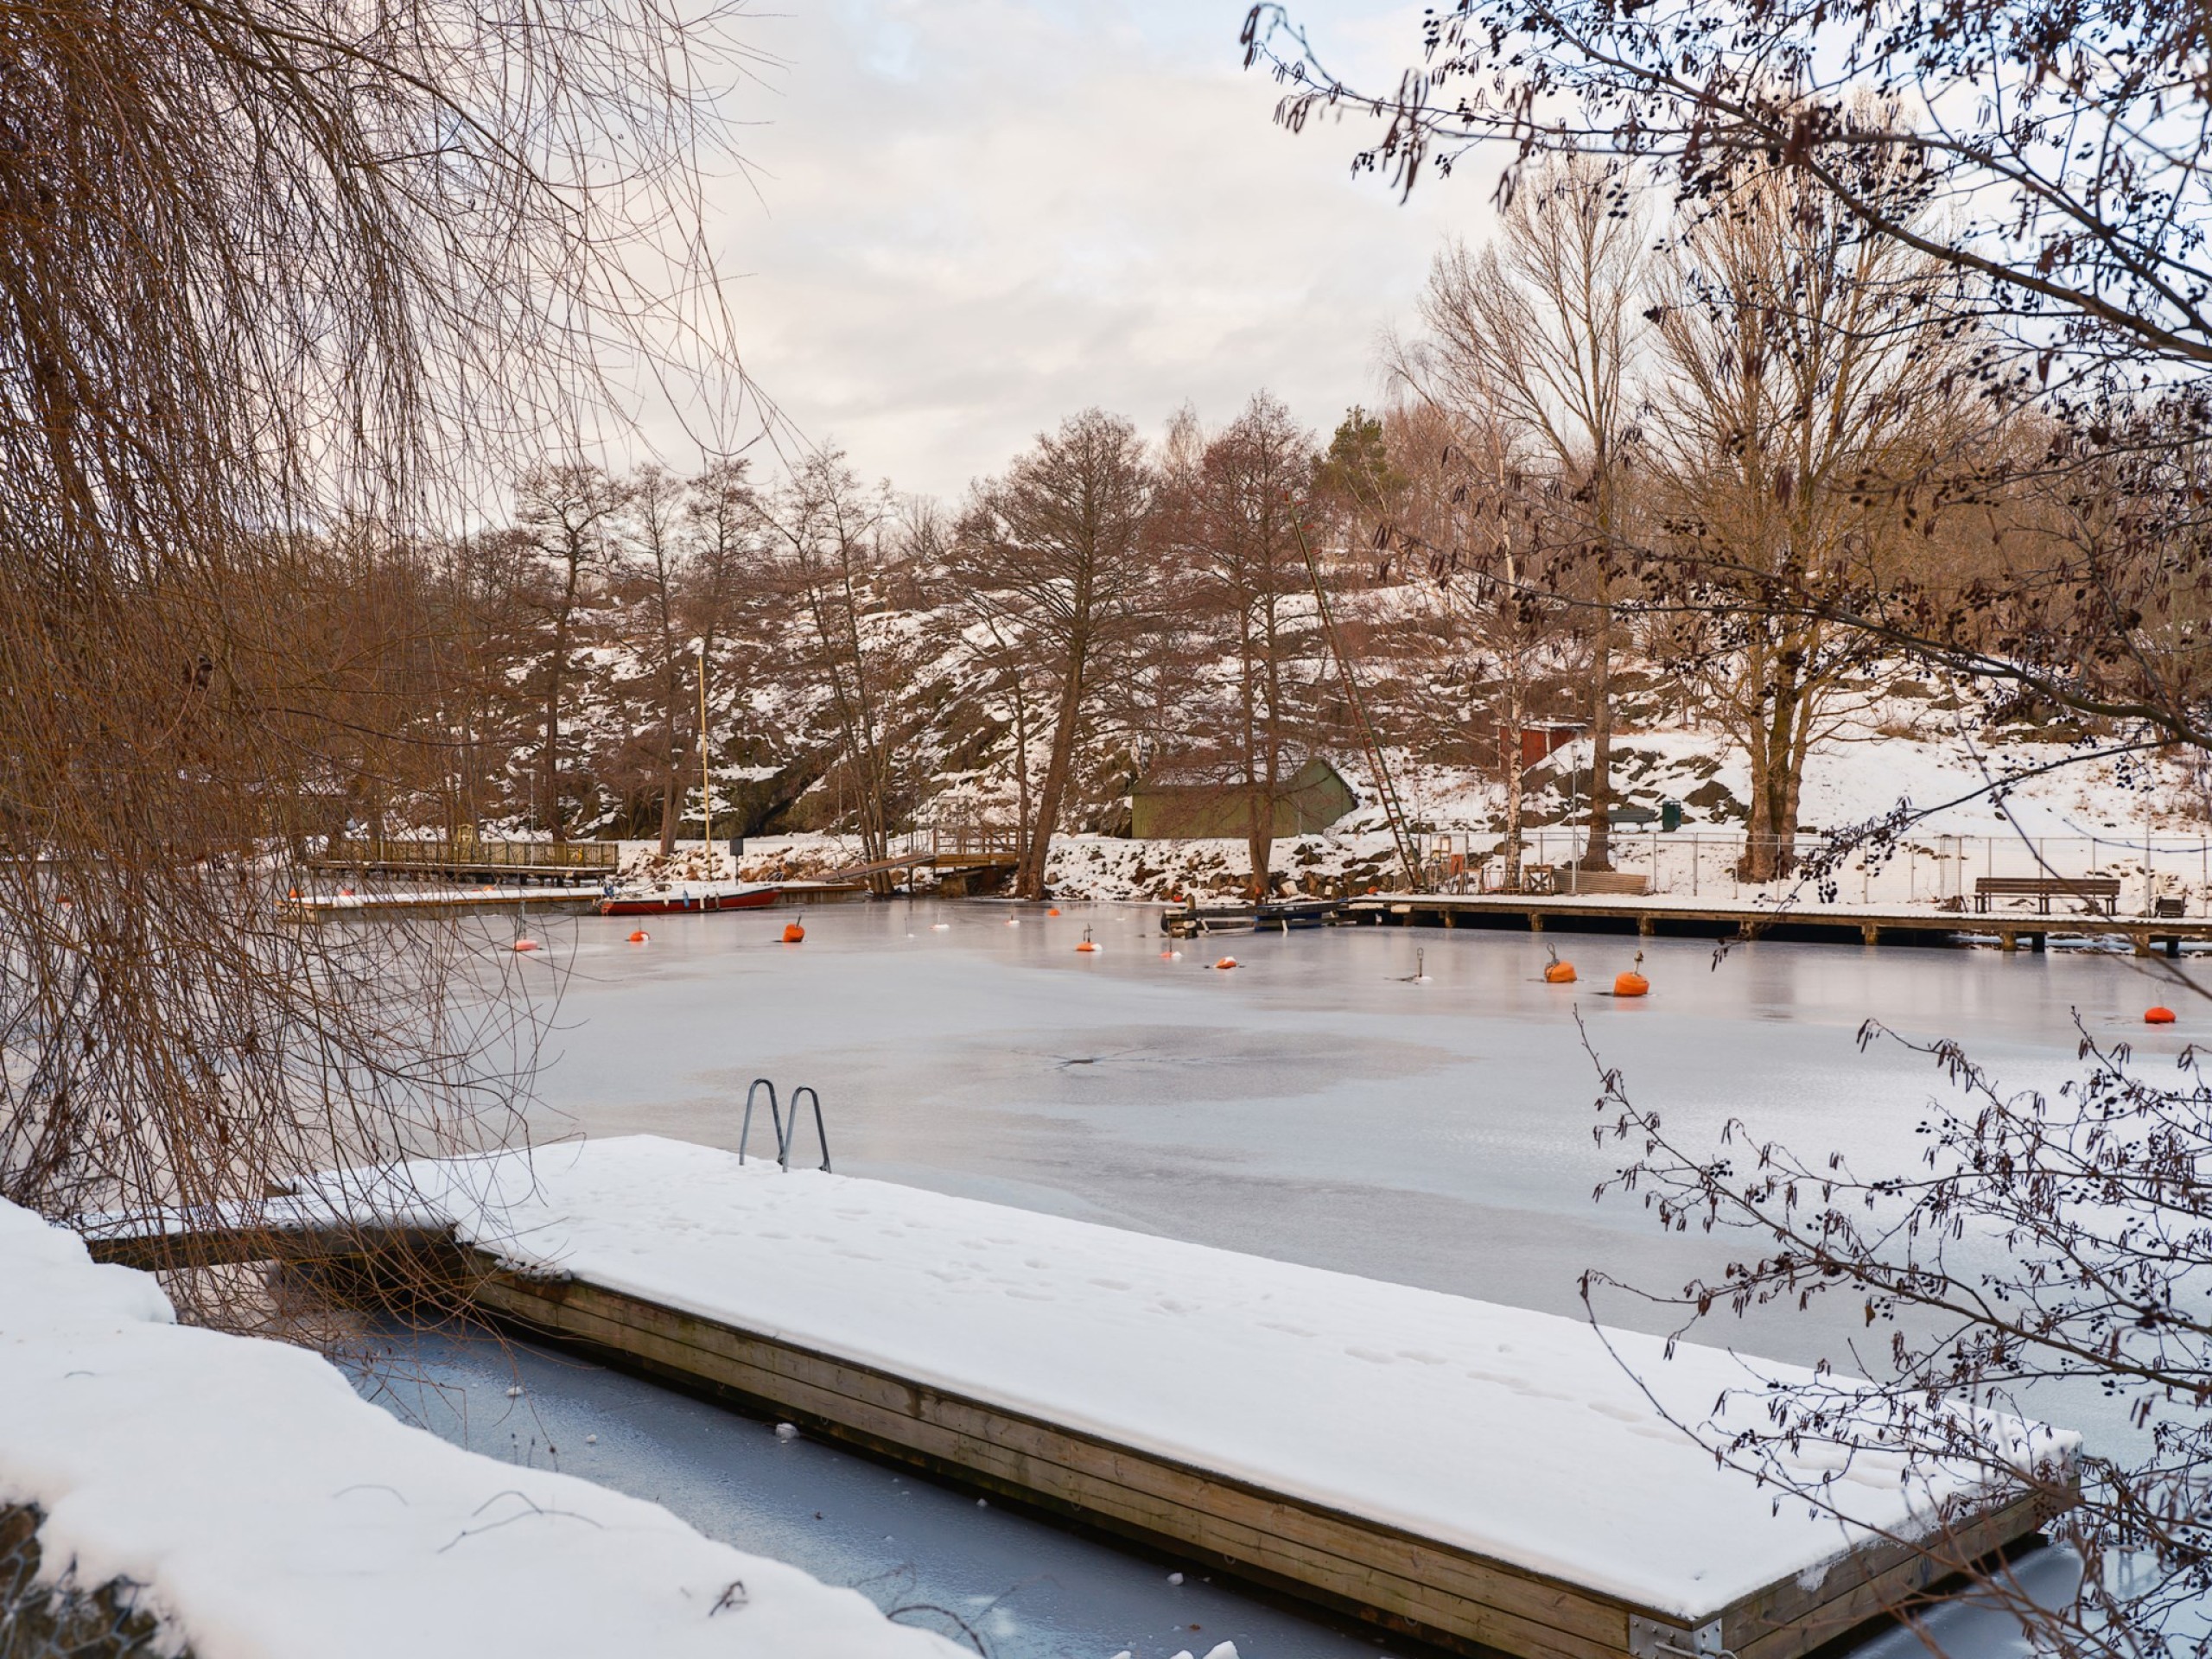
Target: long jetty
(1665,915)
(1487,1479)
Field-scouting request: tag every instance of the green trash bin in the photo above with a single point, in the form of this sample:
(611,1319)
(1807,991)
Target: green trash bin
(1670,815)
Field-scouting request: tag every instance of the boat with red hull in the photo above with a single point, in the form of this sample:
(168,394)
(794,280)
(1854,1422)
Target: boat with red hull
(690,899)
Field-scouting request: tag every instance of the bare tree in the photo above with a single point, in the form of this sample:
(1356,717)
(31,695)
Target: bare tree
(1235,517)
(1545,320)
(659,524)
(828,532)
(1809,387)
(1056,548)
(266,269)
(569,512)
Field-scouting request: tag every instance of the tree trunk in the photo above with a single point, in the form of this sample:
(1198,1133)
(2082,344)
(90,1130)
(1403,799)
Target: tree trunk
(1598,848)
(671,801)
(1515,716)
(1029,878)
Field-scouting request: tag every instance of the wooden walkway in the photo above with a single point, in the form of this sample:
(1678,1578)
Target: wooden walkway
(322,907)
(1394,1579)
(1649,915)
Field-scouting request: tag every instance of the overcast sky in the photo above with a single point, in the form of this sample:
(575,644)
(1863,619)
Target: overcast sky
(968,219)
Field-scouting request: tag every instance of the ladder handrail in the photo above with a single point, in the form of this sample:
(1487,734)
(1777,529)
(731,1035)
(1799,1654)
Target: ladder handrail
(820,1134)
(774,1112)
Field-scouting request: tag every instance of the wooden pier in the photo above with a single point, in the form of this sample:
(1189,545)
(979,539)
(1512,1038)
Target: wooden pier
(1649,915)
(328,906)
(1256,1524)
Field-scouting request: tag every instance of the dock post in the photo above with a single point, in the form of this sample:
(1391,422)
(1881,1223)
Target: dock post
(1646,924)
(2035,942)
(2142,943)
(1449,915)
(1870,933)
(2007,942)
(1536,921)
(2173,945)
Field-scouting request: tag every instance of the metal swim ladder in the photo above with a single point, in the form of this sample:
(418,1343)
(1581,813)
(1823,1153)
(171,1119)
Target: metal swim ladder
(786,1135)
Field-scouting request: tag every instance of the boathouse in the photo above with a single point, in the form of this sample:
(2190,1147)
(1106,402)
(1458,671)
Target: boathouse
(1190,805)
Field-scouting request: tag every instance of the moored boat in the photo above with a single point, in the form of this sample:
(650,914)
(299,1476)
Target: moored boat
(681,898)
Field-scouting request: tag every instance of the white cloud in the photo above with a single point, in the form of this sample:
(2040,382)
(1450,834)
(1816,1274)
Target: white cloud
(969,218)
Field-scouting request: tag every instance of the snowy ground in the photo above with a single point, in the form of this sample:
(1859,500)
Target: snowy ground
(2141,820)
(265,1511)
(1475,1424)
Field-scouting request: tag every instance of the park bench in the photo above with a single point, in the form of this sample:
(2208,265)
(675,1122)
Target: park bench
(2099,890)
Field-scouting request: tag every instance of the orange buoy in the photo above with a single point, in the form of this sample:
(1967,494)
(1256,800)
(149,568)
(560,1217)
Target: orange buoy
(1054,910)
(525,945)
(2158,1016)
(344,892)
(295,893)
(639,937)
(1559,973)
(1226,962)
(793,933)
(1630,984)
(1086,945)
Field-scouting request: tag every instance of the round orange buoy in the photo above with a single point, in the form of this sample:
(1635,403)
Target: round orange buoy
(793,933)
(295,893)
(2158,1016)
(1054,910)
(525,945)
(1559,973)
(1086,945)
(639,937)
(1226,962)
(344,892)
(1630,984)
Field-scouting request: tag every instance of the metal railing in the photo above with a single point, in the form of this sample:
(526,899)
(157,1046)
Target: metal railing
(786,1134)
(471,854)
(1940,870)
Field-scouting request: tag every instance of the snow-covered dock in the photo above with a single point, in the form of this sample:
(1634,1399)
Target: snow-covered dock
(1484,1477)
(433,902)
(241,1493)
(1677,914)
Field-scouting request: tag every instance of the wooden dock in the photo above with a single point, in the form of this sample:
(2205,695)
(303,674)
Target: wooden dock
(1253,1523)
(1397,1579)
(1649,915)
(328,906)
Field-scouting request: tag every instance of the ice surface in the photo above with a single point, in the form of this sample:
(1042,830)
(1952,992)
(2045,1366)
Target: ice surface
(268,1510)
(1519,1435)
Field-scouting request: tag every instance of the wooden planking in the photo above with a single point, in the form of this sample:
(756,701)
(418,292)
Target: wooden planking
(1444,1594)
(1359,1566)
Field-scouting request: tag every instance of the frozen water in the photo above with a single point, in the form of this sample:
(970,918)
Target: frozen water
(1314,1105)
(1032,1590)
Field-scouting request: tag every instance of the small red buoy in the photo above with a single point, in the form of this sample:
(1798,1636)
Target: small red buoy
(639,937)
(1630,984)
(2158,1016)
(525,945)
(1226,962)
(295,893)
(344,892)
(793,933)
(1054,910)
(1559,973)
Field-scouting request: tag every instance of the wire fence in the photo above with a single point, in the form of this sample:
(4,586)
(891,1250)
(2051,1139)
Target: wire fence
(2155,875)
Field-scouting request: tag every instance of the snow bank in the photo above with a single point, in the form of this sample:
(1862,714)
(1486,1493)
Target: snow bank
(268,1510)
(1512,1433)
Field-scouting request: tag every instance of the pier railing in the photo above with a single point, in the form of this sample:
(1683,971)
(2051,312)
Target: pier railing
(2155,873)
(474,854)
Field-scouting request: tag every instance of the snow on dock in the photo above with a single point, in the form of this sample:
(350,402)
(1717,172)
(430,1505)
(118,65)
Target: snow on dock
(1483,1476)
(263,1508)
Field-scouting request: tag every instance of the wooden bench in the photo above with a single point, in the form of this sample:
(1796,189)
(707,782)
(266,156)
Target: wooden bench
(2098,890)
